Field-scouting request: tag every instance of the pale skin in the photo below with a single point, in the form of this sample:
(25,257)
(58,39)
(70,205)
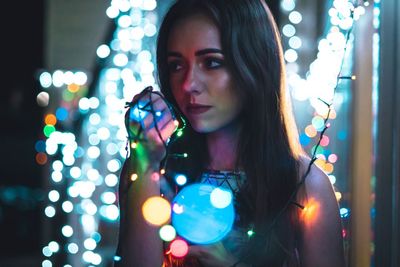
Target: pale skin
(198,76)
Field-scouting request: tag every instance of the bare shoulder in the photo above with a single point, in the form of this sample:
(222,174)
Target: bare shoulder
(321,241)
(317,183)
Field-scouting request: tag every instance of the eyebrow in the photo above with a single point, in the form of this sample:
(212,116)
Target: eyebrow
(198,53)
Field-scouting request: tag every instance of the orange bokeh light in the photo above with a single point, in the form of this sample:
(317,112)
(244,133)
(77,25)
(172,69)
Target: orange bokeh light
(328,168)
(332,114)
(41,158)
(320,162)
(73,88)
(50,119)
(156,210)
(311,211)
(310,131)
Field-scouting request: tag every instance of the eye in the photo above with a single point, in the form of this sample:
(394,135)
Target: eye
(213,63)
(174,66)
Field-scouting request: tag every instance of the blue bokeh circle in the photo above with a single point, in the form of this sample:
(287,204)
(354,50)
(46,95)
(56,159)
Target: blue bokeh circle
(196,219)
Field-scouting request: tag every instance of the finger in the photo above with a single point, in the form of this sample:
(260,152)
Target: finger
(164,131)
(147,127)
(148,122)
(161,118)
(143,99)
(168,130)
(136,98)
(134,127)
(158,103)
(156,136)
(146,102)
(158,108)
(151,99)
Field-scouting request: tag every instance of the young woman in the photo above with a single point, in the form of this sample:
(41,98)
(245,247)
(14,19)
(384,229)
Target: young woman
(220,63)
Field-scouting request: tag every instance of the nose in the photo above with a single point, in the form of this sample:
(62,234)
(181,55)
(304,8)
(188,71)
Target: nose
(191,81)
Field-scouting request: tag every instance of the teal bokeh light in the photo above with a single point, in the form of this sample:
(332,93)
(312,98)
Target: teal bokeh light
(196,217)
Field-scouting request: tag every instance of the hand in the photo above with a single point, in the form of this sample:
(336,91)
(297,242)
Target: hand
(214,255)
(151,131)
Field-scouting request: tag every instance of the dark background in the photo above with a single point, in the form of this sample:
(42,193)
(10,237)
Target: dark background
(21,194)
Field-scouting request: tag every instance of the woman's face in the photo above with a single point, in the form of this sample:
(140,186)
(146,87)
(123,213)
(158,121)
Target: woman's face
(199,79)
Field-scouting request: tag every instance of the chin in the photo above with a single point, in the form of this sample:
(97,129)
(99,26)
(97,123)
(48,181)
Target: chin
(202,128)
(206,127)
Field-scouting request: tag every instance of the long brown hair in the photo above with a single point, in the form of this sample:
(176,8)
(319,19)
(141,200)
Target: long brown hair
(268,148)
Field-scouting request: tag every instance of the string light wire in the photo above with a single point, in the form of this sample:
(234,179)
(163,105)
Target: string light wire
(179,121)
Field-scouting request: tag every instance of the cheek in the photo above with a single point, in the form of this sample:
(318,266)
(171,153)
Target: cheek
(233,103)
(228,96)
(222,81)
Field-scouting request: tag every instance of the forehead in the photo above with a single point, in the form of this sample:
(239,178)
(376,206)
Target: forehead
(196,31)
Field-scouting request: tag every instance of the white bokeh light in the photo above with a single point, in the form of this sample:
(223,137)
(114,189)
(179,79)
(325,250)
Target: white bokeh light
(54,196)
(67,206)
(45,79)
(103,51)
(220,198)
(295,17)
(67,231)
(111,180)
(289,30)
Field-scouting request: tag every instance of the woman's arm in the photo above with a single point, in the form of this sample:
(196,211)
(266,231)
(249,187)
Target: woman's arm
(321,242)
(139,243)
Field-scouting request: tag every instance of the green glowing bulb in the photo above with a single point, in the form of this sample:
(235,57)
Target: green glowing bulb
(48,129)
(250,233)
(179,133)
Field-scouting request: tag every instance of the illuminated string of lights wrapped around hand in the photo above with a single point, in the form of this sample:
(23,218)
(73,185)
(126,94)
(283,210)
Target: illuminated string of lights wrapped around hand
(139,109)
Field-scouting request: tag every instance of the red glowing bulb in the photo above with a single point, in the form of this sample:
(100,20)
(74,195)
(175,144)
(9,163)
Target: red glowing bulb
(179,248)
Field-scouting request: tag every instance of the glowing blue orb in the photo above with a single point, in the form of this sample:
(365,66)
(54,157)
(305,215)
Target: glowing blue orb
(197,218)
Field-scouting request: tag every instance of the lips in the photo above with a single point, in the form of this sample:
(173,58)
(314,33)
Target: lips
(195,109)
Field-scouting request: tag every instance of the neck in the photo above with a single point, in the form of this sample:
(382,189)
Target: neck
(222,148)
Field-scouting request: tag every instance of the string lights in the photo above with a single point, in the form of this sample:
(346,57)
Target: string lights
(84,138)
(320,85)
(86,163)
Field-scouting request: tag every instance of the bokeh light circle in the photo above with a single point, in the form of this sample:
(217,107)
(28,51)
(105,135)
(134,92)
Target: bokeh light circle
(167,233)
(220,198)
(197,219)
(156,210)
(42,99)
(180,179)
(179,248)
